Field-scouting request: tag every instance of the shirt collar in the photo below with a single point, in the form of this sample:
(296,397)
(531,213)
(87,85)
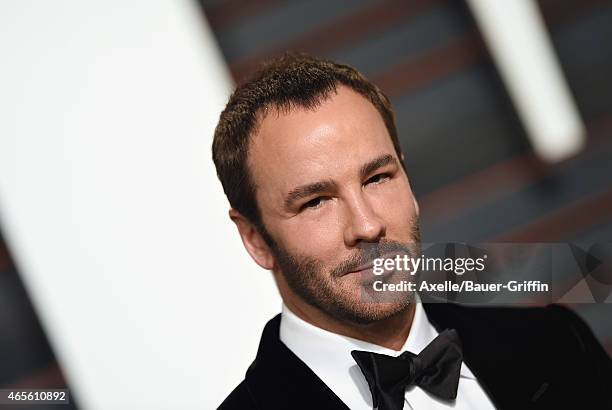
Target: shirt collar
(321,349)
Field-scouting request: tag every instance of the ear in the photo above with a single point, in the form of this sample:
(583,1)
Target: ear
(252,240)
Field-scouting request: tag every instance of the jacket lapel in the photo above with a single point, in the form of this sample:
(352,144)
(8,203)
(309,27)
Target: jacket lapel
(504,365)
(278,379)
(507,371)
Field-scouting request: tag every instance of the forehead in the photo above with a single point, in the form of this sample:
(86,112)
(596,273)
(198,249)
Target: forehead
(306,145)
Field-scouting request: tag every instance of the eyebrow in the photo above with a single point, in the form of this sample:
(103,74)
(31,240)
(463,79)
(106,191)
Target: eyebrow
(376,163)
(307,190)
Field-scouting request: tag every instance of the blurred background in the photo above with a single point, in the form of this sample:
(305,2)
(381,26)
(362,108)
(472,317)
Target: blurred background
(467,147)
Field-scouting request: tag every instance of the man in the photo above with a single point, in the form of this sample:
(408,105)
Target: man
(308,155)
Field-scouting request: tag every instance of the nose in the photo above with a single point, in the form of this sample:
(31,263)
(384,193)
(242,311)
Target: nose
(363,224)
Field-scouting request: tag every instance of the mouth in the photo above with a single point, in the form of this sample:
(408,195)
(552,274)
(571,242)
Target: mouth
(369,266)
(360,269)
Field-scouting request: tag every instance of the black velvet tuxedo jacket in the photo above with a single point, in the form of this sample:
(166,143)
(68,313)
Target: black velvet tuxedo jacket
(524,358)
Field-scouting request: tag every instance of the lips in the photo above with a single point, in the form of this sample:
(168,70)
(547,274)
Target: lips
(370,265)
(361,268)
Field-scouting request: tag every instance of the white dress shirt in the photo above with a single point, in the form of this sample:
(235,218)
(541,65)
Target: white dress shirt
(329,356)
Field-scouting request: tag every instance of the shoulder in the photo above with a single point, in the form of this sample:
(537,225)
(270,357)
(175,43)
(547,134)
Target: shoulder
(532,325)
(582,341)
(548,338)
(509,319)
(239,398)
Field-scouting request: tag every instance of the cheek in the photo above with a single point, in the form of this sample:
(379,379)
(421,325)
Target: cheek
(396,206)
(314,237)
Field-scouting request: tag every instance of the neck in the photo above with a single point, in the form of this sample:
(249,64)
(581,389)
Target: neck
(391,332)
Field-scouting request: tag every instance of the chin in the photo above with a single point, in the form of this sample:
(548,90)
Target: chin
(366,312)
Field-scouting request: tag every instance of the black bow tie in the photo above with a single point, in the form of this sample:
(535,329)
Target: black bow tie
(435,370)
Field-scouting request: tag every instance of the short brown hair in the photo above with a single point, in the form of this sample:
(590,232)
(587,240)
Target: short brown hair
(294,80)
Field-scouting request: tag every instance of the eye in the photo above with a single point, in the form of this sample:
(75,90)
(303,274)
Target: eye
(314,203)
(378,178)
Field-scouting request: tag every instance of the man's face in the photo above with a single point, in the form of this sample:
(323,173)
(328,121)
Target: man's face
(333,196)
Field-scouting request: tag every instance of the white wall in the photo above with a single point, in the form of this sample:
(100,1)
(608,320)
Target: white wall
(110,203)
